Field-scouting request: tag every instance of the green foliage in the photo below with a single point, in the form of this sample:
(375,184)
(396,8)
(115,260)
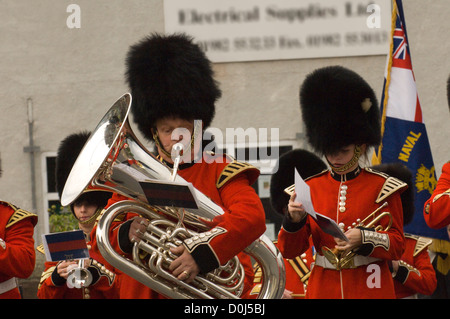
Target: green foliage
(61,219)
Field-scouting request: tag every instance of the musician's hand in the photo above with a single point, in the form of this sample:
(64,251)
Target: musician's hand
(296,210)
(287,294)
(184,267)
(395,266)
(64,267)
(137,229)
(354,240)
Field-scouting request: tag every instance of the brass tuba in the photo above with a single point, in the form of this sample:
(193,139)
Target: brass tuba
(114,160)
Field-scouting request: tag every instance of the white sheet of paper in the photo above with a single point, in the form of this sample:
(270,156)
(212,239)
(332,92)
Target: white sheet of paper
(303,194)
(330,227)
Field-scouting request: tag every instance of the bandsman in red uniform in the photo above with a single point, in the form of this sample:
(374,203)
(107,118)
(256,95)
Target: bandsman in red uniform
(342,121)
(437,207)
(437,215)
(17,255)
(413,274)
(86,209)
(172,85)
(298,269)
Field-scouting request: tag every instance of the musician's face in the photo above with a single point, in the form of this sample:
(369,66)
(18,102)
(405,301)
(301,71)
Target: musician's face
(343,156)
(84,210)
(172,130)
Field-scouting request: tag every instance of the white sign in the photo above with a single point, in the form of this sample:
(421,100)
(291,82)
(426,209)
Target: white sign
(254,30)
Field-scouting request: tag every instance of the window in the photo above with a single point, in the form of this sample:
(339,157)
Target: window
(57,218)
(49,190)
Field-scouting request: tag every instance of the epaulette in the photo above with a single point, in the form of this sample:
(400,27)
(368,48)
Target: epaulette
(390,186)
(232,169)
(47,273)
(421,243)
(18,215)
(41,249)
(289,190)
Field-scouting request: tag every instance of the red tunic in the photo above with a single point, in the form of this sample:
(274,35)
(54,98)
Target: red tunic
(416,273)
(17,259)
(437,207)
(105,284)
(361,193)
(243,219)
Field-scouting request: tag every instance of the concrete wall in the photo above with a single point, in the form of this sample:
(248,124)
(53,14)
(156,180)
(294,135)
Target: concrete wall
(74,75)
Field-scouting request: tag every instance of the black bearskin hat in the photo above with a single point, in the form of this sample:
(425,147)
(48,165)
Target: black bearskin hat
(307,165)
(404,174)
(170,76)
(68,151)
(339,108)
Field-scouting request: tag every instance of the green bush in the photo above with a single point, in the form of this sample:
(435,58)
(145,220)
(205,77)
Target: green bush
(61,219)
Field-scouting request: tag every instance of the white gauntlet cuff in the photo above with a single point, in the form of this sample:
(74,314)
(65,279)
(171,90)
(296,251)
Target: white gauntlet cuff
(375,239)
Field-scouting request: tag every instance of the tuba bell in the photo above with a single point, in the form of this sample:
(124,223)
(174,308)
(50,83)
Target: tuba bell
(114,160)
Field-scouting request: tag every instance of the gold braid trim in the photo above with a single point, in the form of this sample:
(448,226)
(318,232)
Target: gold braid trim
(421,243)
(442,249)
(300,268)
(447,192)
(18,215)
(45,275)
(41,249)
(390,186)
(231,170)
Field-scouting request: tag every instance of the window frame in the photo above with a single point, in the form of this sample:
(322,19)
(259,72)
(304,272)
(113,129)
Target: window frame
(47,196)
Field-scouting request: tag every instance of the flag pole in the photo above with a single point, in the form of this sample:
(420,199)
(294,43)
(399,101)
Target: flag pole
(376,158)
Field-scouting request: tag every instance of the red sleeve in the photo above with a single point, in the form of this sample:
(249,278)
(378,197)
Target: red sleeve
(298,233)
(47,288)
(415,273)
(18,258)
(437,207)
(242,223)
(422,278)
(396,243)
(244,220)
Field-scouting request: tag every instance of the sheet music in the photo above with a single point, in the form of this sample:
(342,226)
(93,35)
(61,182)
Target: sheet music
(303,194)
(330,227)
(325,223)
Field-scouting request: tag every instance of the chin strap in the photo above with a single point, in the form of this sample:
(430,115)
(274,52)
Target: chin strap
(93,217)
(197,130)
(349,164)
(158,144)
